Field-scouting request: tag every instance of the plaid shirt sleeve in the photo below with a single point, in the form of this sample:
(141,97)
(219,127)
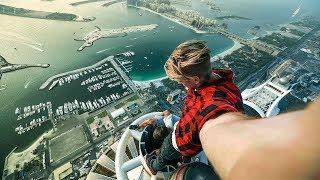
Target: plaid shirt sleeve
(188,128)
(197,112)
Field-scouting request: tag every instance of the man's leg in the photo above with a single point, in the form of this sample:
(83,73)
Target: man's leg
(166,155)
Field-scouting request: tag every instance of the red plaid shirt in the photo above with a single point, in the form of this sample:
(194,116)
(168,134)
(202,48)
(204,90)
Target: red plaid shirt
(218,96)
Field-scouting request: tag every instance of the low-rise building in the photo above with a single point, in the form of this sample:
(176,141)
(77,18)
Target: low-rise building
(101,125)
(63,172)
(117,113)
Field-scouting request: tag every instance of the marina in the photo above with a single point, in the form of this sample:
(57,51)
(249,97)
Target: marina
(72,75)
(89,105)
(32,125)
(127,65)
(106,74)
(33,109)
(93,77)
(43,110)
(104,78)
(110,83)
(66,109)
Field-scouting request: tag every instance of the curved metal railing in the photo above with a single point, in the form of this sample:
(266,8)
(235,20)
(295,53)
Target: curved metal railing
(122,167)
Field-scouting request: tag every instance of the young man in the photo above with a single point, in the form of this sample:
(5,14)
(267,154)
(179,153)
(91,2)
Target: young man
(210,93)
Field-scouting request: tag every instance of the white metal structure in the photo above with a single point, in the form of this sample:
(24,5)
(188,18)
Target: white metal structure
(124,167)
(265,98)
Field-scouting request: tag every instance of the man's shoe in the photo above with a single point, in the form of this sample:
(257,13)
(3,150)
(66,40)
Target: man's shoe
(150,158)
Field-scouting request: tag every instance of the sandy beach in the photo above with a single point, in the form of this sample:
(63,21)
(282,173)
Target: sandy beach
(146,83)
(229,51)
(24,156)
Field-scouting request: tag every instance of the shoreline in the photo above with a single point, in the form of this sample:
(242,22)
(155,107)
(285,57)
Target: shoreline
(147,82)
(170,19)
(6,161)
(229,51)
(24,155)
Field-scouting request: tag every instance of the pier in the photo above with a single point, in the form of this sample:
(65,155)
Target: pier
(124,76)
(52,78)
(5,170)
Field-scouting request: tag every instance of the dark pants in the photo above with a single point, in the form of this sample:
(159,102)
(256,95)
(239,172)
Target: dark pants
(167,155)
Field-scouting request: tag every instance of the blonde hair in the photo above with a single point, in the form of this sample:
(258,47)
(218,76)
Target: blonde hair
(191,58)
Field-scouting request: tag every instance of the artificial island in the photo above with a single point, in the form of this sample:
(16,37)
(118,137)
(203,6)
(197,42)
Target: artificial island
(109,33)
(21,12)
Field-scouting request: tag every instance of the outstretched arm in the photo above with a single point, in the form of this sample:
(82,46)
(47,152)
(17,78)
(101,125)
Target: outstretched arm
(281,147)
